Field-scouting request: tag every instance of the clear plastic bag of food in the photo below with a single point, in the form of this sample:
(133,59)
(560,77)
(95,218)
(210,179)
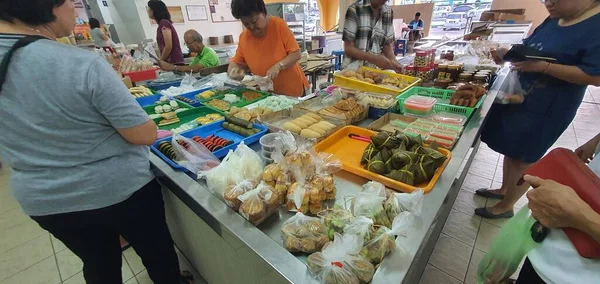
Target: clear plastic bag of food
(298,195)
(193,155)
(325,166)
(411,202)
(340,262)
(336,219)
(511,91)
(188,80)
(360,226)
(375,188)
(302,233)
(383,240)
(255,205)
(371,206)
(232,192)
(264,83)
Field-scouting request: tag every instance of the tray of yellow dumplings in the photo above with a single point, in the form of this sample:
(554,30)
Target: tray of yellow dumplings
(301,122)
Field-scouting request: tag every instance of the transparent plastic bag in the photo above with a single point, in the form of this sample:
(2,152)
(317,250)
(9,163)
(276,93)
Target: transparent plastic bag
(383,240)
(264,83)
(339,262)
(211,81)
(371,206)
(234,191)
(375,188)
(193,155)
(188,80)
(298,195)
(336,219)
(325,166)
(411,202)
(254,205)
(509,248)
(302,233)
(360,226)
(511,91)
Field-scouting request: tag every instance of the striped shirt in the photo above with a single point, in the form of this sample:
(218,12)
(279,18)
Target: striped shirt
(367,32)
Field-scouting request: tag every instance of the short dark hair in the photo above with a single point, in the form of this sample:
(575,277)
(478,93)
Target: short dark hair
(30,12)
(418,14)
(94,23)
(244,8)
(159,10)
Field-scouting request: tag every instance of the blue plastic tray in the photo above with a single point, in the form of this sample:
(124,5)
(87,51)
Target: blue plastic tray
(149,100)
(215,129)
(165,85)
(192,96)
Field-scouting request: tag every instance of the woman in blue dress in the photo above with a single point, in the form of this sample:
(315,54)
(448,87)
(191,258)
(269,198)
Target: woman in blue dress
(524,132)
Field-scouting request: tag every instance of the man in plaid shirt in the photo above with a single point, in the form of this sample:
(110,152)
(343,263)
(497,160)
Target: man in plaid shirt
(369,35)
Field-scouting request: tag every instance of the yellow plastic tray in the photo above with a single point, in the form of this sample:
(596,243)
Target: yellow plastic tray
(351,83)
(350,150)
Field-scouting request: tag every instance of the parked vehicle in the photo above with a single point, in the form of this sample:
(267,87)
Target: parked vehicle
(476,13)
(441,12)
(456,21)
(463,8)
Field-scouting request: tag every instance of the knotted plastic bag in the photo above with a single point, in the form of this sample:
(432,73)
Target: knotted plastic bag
(193,155)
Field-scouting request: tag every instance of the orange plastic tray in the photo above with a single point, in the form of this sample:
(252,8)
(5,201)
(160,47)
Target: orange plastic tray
(349,151)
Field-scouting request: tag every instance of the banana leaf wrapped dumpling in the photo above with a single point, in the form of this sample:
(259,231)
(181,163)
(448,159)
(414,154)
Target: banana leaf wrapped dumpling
(402,158)
(377,165)
(420,172)
(403,175)
(368,154)
(384,140)
(386,154)
(433,155)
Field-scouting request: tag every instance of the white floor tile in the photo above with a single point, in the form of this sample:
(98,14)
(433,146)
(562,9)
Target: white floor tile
(485,237)
(144,278)
(43,272)
(462,227)
(19,258)
(70,265)
(451,256)
(12,218)
(432,275)
(476,257)
(57,244)
(20,234)
(135,262)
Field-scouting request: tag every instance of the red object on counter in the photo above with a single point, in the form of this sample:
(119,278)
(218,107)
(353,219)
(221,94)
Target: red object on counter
(562,166)
(146,75)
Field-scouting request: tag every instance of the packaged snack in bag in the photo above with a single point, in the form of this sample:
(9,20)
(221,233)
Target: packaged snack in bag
(411,202)
(234,191)
(360,226)
(254,204)
(339,263)
(371,206)
(335,219)
(281,176)
(193,155)
(302,159)
(392,206)
(325,166)
(375,188)
(302,233)
(298,195)
(383,240)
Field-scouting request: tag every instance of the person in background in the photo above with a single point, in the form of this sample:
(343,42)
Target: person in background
(369,36)
(101,39)
(267,48)
(166,35)
(416,28)
(524,132)
(206,57)
(83,175)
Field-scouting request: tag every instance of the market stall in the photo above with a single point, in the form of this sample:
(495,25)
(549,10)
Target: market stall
(226,248)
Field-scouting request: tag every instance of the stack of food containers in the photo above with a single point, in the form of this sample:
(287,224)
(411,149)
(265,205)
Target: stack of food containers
(419,106)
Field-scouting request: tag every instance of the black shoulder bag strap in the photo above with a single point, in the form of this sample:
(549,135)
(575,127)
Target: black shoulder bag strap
(25,41)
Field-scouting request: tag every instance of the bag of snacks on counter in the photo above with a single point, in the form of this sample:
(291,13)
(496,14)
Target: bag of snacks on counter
(384,241)
(193,155)
(302,233)
(325,166)
(335,219)
(360,226)
(375,188)
(340,262)
(234,191)
(411,202)
(257,204)
(371,206)
(298,195)
(511,91)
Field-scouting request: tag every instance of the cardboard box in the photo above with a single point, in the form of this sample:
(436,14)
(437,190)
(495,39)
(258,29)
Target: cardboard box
(503,15)
(127,81)
(383,123)
(275,120)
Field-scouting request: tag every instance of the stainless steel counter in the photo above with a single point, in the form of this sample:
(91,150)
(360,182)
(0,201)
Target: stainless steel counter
(265,240)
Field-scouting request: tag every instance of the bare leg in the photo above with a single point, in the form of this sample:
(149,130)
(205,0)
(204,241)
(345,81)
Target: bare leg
(505,183)
(513,171)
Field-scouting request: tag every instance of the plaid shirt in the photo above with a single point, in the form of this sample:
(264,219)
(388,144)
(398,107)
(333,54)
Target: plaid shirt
(368,34)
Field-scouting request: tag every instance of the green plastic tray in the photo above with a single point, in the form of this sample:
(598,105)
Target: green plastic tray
(242,102)
(187,116)
(439,94)
(150,109)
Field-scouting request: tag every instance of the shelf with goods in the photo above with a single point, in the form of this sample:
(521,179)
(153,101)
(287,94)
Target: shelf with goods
(261,248)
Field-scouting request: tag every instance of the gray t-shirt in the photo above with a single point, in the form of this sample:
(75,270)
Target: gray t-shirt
(97,37)
(59,110)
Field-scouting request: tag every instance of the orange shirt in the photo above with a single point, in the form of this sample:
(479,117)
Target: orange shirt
(260,54)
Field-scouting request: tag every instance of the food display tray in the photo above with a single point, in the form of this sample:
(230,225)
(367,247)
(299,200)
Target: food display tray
(275,120)
(238,92)
(150,109)
(187,116)
(439,94)
(214,129)
(148,100)
(351,83)
(192,96)
(349,151)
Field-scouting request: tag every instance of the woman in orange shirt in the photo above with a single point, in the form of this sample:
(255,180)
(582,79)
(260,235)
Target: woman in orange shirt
(267,48)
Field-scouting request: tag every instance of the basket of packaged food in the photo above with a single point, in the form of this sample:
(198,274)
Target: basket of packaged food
(165,105)
(379,104)
(374,80)
(191,97)
(235,98)
(218,137)
(302,122)
(348,110)
(423,101)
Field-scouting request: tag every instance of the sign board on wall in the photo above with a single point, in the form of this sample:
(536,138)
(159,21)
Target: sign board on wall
(197,12)
(220,11)
(176,15)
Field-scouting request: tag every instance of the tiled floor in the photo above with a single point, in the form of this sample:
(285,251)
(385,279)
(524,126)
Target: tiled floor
(30,255)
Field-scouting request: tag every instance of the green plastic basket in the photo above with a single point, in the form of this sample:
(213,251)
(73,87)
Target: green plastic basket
(439,94)
(150,109)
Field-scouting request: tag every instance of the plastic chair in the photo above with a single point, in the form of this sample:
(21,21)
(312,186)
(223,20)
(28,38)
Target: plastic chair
(338,59)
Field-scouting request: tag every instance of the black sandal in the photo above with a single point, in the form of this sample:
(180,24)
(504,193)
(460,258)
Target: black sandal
(483,212)
(485,192)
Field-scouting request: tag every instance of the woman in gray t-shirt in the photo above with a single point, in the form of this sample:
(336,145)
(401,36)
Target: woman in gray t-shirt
(77,143)
(100,38)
